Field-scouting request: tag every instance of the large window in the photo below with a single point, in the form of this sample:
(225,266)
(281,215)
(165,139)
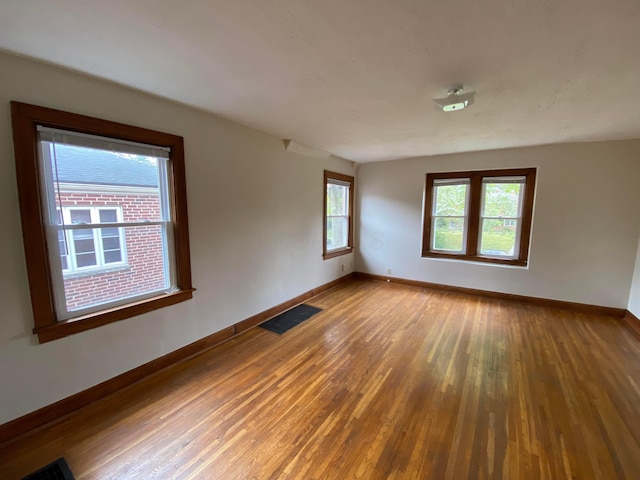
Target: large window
(338,214)
(482,216)
(103,216)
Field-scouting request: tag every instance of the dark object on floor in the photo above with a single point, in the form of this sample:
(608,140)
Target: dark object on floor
(58,470)
(290,318)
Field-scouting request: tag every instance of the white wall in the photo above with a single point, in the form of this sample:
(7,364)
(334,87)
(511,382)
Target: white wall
(634,294)
(255,217)
(585,226)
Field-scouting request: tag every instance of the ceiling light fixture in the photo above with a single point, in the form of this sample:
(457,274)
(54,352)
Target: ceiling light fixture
(455,99)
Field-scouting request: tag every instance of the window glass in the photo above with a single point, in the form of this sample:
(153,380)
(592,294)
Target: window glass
(500,216)
(501,199)
(449,217)
(94,185)
(338,214)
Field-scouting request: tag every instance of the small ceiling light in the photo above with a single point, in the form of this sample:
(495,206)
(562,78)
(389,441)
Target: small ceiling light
(455,100)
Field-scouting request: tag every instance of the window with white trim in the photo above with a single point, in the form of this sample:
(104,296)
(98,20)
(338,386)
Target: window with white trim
(83,248)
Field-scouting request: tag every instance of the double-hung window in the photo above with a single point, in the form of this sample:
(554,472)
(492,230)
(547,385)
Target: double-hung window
(338,214)
(450,214)
(481,215)
(104,219)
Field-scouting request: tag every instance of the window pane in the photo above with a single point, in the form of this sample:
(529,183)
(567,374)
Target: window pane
(108,216)
(337,230)
(498,237)
(80,216)
(501,199)
(120,188)
(450,200)
(83,245)
(112,256)
(135,178)
(83,241)
(448,234)
(144,271)
(110,243)
(337,196)
(111,246)
(86,260)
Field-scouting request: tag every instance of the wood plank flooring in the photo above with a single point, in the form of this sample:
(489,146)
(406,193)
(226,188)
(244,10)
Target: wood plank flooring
(387,382)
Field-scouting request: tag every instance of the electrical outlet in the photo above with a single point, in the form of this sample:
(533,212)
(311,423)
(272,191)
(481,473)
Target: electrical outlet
(389,271)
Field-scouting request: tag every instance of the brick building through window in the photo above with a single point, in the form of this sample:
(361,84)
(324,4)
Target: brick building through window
(98,186)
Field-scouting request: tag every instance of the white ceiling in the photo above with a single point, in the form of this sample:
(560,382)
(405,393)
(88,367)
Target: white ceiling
(356,77)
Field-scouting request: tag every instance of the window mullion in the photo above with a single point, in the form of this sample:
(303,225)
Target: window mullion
(71,250)
(100,247)
(473,214)
(97,237)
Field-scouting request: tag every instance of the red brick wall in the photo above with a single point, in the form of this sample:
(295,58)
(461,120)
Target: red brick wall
(144,269)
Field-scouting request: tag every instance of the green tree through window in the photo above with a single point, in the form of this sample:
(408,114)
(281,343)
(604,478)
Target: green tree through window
(481,215)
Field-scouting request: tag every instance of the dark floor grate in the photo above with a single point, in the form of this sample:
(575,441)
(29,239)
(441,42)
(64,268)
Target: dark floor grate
(289,319)
(58,470)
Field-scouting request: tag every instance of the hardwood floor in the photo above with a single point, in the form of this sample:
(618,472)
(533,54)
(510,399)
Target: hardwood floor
(387,382)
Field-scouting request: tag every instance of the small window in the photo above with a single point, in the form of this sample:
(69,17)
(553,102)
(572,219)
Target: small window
(482,216)
(338,214)
(83,248)
(104,219)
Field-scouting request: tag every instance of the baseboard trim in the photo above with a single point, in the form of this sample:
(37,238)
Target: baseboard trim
(61,410)
(272,312)
(633,323)
(546,302)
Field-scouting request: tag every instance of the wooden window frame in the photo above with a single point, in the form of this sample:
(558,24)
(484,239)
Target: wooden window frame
(25,120)
(328,175)
(475,202)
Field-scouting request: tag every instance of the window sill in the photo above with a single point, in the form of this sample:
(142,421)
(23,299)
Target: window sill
(337,253)
(80,324)
(475,258)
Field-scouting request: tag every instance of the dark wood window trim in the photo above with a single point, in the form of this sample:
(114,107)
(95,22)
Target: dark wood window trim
(25,119)
(328,176)
(475,200)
